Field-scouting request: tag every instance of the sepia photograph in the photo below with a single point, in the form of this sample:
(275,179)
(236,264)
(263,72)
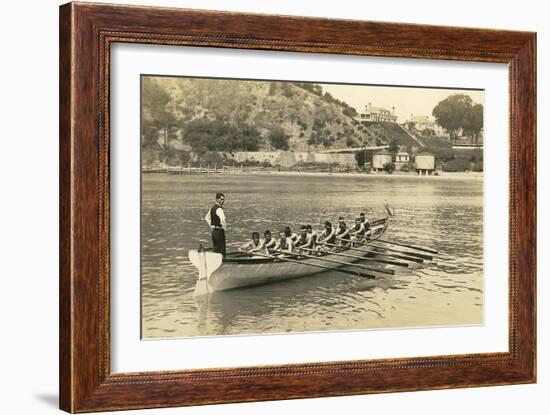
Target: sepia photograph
(276,206)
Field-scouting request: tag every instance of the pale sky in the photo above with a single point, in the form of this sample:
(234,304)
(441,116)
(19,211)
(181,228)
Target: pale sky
(406,100)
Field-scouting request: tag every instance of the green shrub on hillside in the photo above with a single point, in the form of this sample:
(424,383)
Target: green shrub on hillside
(205,135)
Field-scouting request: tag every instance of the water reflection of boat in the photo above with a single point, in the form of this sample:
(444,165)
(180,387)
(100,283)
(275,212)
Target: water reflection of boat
(218,274)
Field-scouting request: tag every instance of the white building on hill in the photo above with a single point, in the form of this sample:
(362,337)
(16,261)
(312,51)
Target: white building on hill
(425,122)
(377,114)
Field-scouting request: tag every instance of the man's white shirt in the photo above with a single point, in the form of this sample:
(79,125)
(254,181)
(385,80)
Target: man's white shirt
(221,215)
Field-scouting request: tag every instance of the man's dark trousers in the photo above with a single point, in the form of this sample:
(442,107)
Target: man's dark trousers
(218,240)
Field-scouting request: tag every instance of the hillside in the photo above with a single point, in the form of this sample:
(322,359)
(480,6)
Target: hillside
(387,132)
(212,115)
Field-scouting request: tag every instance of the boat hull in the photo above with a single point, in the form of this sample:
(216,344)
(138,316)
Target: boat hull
(230,276)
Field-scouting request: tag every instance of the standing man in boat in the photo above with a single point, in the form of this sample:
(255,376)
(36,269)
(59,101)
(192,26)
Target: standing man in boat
(216,220)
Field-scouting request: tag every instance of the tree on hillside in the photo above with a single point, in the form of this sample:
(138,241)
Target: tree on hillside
(286,89)
(205,135)
(394,147)
(155,104)
(473,122)
(350,142)
(278,139)
(250,138)
(150,136)
(349,111)
(272,88)
(451,113)
(410,126)
(428,132)
(317,89)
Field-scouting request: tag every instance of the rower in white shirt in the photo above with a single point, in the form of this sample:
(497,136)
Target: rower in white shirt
(285,244)
(255,244)
(270,243)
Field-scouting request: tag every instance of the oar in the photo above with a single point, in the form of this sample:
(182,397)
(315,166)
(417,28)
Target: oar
(390,255)
(382,261)
(335,261)
(404,257)
(383,271)
(356,273)
(416,254)
(419,248)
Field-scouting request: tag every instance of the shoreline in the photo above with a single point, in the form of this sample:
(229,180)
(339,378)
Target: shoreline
(469,176)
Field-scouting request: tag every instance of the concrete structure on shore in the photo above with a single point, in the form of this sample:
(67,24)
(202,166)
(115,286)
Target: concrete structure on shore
(424,163)
(380,159)
(291,158)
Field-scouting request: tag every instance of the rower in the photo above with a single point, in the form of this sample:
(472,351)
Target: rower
(328,236)
(357,233)
(304,241)
(312,235)
(342,232)
(292,235)
(366,224)
(254,245)
(269,242)
(285,244)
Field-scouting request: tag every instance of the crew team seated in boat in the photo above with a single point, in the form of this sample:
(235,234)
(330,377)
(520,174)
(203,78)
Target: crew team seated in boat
(285,245)
(357,233)
(254,245)
(292,235)
(342,232)
(328,236)
(270,243)
(304,241)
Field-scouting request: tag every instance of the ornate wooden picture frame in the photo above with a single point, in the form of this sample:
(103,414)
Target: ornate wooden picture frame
(87,32)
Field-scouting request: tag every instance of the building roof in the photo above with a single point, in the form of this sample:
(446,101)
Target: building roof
(376,109)
(372,108)
(403,153)
(420,118)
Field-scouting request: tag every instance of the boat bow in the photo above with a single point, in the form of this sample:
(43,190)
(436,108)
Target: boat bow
(207,263)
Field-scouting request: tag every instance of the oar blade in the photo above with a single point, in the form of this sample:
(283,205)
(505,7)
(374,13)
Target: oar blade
(407,245)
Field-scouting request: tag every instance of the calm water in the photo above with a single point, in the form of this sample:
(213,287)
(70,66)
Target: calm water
(444,214)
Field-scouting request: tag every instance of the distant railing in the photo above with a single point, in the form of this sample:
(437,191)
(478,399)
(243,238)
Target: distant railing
(467,146)
(208,169)
(354,149)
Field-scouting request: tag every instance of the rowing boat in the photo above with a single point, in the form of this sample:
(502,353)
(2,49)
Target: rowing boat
(241,269)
